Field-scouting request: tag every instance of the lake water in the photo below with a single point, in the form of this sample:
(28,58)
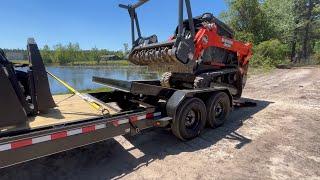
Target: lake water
(80,77)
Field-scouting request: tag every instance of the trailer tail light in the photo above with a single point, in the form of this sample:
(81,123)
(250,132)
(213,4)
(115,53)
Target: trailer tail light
(149,116)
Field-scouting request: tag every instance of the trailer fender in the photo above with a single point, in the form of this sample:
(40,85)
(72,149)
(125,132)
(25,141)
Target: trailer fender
(174,101)
(178,96)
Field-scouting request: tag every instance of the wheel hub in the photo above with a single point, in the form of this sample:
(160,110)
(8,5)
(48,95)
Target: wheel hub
(190,118)
(218,109)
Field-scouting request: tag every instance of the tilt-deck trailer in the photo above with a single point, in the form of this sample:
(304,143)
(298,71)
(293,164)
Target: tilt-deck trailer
(34,124)
(144,104)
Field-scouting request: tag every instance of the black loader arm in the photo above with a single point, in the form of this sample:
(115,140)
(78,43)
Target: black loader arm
(179,49)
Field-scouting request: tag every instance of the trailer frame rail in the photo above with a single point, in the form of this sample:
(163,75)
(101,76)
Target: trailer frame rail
(29,146)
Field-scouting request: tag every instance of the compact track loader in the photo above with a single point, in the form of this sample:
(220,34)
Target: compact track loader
(202,93)
(203,46)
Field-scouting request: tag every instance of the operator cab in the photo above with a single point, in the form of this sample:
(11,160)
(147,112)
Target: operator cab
(223,29)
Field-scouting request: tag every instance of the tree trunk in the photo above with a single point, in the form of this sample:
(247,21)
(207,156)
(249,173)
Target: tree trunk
(306,40)
(293,47)
(305,50)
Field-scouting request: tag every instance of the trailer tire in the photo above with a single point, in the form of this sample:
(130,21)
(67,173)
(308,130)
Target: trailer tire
(189,119)
(218,108)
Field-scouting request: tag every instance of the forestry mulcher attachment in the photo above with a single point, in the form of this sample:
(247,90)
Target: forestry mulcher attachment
(203,47)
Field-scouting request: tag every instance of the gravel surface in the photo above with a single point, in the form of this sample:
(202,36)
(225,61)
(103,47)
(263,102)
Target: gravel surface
(278,139)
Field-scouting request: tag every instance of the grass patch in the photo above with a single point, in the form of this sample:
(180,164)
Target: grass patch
(20,61)
(103,63)
(88,91)
(83,63)
(98,90)
(259,70)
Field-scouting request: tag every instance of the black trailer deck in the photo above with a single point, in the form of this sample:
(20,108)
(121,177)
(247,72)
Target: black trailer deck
(69,128)
(70,108)
(74,124)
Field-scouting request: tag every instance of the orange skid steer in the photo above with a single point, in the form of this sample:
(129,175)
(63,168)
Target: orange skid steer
(203,46)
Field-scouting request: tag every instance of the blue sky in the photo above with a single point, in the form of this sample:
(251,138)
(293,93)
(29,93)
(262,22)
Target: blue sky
(91,23)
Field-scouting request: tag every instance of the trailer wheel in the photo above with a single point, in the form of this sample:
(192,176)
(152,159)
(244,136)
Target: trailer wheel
(190,119)
(218,107)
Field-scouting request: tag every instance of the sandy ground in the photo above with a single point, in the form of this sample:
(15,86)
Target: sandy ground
(279,139)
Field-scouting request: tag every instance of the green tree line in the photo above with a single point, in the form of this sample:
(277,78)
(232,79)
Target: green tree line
(72,53)
(68,54)
(279,29)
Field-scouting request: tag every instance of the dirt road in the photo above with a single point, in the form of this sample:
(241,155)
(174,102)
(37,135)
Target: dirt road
(278,139)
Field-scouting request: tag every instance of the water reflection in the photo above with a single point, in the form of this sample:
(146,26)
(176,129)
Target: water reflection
(81,77)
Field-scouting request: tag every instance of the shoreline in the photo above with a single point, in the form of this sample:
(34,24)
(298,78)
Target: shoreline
(83,63)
